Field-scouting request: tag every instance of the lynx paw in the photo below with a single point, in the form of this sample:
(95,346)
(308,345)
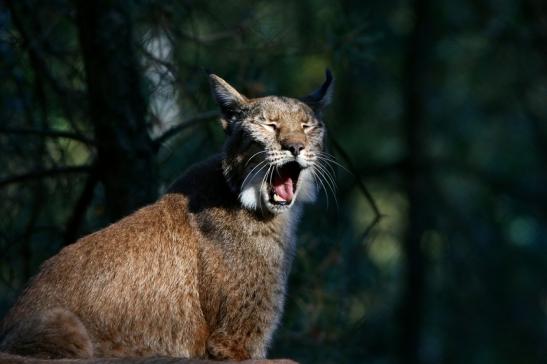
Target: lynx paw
(223,347)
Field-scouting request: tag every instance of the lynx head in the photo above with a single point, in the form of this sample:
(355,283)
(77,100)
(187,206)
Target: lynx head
(273,148)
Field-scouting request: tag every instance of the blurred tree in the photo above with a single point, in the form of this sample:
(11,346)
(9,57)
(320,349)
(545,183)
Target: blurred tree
(418,218)
(125,153)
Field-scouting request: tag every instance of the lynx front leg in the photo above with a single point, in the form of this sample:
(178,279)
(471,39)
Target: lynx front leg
(224,346)
(249,317)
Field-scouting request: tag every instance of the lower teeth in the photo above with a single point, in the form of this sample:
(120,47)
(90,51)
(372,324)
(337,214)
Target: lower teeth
(276,198)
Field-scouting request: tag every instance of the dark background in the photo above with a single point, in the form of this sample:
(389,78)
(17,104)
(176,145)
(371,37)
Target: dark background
(439,115)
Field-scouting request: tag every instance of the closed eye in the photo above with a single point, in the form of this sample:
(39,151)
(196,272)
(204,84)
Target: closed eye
(307,126)
(271,126)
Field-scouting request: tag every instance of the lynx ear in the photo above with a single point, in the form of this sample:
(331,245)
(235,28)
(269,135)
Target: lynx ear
(228,99)
(321,97)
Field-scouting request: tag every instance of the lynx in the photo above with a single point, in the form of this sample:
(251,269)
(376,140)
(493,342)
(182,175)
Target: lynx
(201,273)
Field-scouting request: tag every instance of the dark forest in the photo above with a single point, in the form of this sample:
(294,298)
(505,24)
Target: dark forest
(431,244)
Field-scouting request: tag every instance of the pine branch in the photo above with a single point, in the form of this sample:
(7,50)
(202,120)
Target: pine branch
(360,184)
(185,124)
(43,174)
(48,133)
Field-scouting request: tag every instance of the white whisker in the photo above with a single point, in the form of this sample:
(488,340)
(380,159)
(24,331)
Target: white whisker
(330,158)
(260,188)
(316,176)
(327,174)
(264,162)
(254,155)
(320,173)
(327,164)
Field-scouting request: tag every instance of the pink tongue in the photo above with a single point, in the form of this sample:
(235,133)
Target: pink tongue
(283,187)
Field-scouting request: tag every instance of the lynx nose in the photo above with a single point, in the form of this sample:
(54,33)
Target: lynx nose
(294,147)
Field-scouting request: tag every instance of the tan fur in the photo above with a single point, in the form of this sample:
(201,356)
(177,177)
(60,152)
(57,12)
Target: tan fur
(193,275)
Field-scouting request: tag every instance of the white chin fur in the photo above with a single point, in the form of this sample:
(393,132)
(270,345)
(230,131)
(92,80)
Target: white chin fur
(249,196)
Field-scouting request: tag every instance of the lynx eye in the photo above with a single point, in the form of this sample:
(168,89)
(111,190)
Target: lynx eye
(272,126)
(306,126)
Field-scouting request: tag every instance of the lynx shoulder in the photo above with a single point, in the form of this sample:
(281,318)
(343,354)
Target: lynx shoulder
(202,272)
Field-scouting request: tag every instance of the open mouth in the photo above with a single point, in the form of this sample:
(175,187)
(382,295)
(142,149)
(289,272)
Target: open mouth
(283,183)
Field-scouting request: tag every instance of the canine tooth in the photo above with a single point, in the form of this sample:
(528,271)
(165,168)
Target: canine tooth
(277,198)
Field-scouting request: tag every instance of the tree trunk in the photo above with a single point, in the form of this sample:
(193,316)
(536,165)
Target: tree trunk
(117,105)
(412,300)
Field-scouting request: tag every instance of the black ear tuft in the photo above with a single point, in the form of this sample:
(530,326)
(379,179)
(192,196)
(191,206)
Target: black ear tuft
(228,99)
(321,97)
